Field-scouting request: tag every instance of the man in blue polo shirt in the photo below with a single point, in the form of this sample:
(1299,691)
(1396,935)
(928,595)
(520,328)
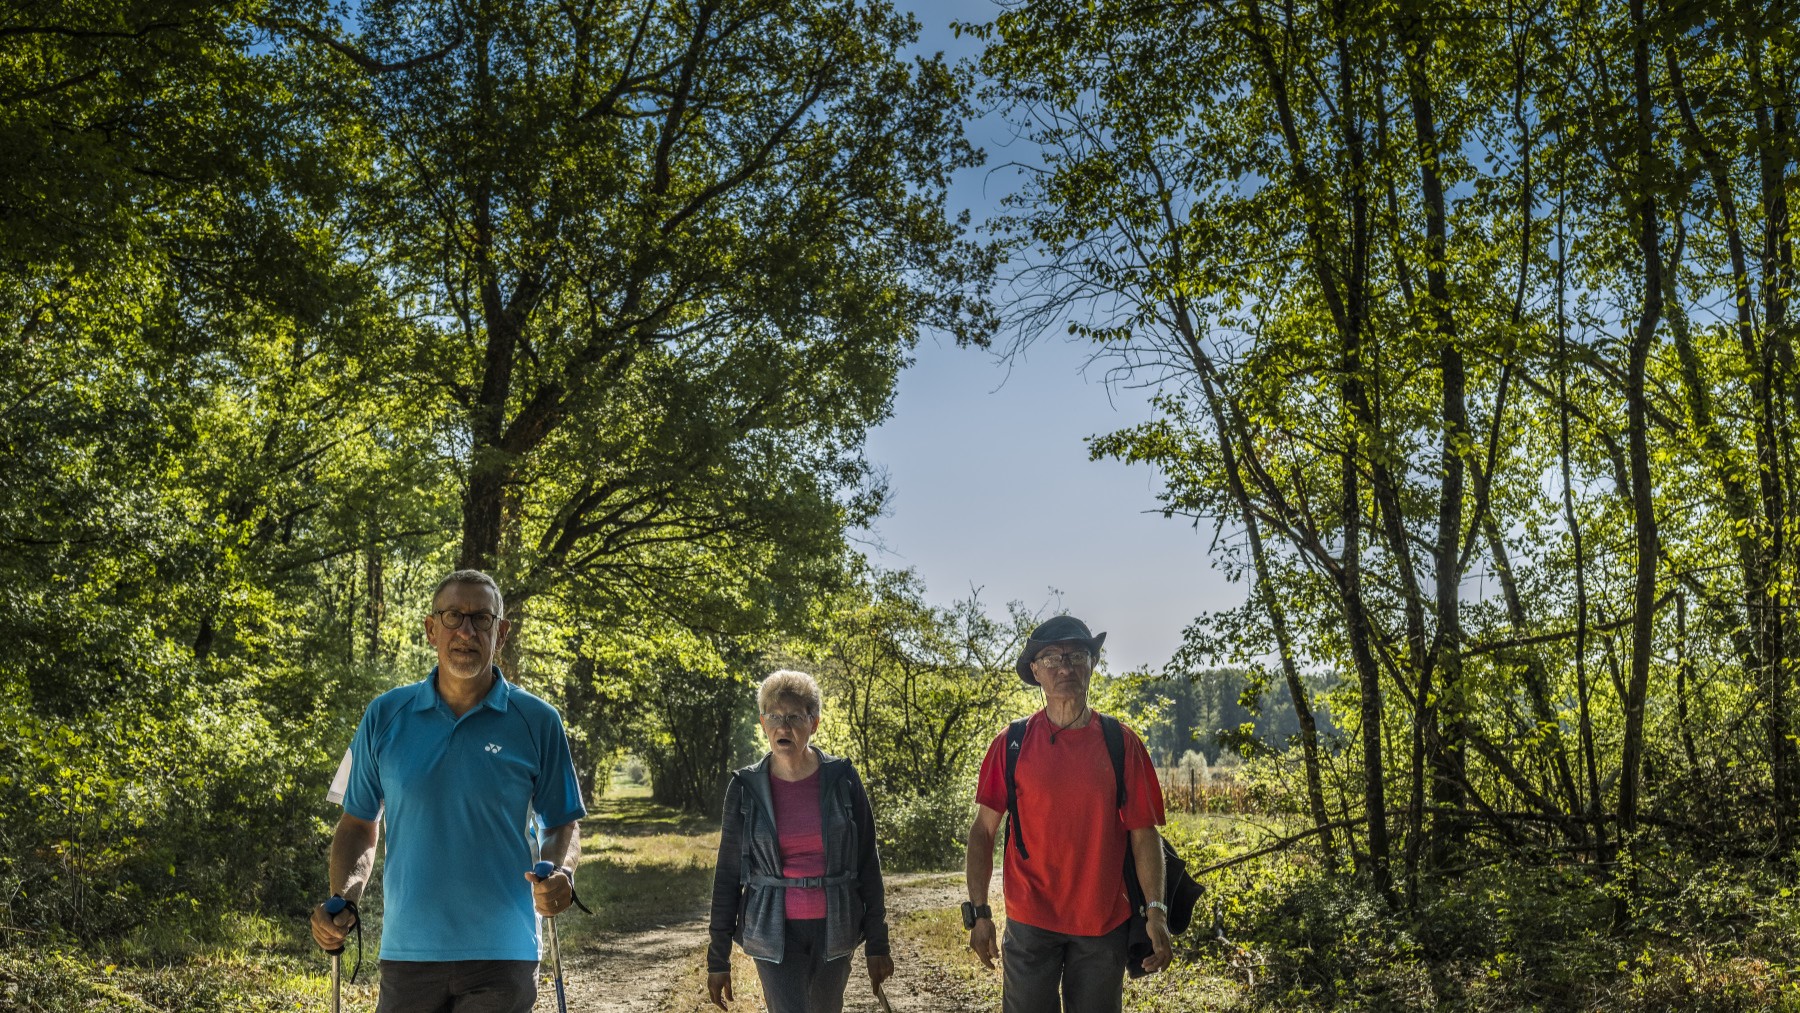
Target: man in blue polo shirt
(456,767)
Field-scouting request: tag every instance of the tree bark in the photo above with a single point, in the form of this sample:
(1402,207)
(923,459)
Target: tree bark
(1444,668)
(1642,491)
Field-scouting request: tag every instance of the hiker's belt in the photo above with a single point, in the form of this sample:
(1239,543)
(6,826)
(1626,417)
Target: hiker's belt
(803,882)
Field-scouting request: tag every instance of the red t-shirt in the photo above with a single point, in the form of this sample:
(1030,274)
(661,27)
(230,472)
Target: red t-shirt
(1074,881)
(797,826)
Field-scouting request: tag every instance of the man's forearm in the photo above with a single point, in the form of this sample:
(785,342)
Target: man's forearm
(1146,852)
(353,856)
(562,847)
(978,865)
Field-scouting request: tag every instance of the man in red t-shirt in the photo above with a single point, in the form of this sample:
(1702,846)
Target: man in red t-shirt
(1066,909)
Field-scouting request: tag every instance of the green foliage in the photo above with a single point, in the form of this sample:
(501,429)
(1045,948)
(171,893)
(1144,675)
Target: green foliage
(1506,936)
(914,693)
(296,323)
(1465,337)
(671,264)
(924,831)
(54,980)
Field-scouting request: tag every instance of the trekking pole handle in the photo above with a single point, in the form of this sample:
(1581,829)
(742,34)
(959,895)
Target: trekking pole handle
(543,870)
(332,907)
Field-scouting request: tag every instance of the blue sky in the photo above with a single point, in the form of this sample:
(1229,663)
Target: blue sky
(991,486)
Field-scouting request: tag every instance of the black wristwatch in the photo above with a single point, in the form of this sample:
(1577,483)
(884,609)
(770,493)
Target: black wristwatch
(972,913)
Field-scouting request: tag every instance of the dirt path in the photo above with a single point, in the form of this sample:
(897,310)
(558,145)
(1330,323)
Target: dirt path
(919,982)
(630,972)
(658,970)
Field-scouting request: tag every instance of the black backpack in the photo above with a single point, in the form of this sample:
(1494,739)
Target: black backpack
(1180,891)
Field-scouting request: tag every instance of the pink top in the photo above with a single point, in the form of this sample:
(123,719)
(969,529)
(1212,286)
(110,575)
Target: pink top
(802,842)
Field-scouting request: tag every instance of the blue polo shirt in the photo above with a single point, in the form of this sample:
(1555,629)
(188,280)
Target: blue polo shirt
(458,794)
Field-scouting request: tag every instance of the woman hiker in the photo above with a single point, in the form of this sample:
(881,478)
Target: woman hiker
(798,883)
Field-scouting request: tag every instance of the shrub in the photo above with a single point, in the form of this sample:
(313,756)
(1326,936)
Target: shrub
(632,771)
(924,832)
(1193,764)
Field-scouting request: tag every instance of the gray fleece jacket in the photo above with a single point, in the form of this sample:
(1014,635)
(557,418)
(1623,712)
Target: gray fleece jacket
(749,900)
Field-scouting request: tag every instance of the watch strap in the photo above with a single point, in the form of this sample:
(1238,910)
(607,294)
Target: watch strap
(973,913)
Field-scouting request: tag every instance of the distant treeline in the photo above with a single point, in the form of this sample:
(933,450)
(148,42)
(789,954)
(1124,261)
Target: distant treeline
(1215,711)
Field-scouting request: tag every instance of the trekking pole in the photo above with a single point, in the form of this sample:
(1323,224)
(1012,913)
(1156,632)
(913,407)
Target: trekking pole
(543,871)
(332,908)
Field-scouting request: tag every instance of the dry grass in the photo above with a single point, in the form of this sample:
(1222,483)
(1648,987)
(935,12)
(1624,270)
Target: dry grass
(1183,988)
(945,944)
(690,995)
(1219,794)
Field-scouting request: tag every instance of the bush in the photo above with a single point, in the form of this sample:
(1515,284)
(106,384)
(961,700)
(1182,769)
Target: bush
(130,814)
(65,980)
(1193,764)
(924,832)
(1503,935)
(632,771)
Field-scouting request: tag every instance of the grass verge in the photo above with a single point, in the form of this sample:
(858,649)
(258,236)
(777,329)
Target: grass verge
(642,866)
(273,968)
(1183,988)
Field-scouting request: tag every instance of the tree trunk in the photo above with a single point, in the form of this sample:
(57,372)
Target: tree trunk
(1589,754)
(375,605)
(1637,409)
(1774,146)
(578,709)
(1444,667)
(1284,640)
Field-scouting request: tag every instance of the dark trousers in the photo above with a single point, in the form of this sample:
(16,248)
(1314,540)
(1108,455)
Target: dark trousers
(804,981)
(457,986)
(1088,970)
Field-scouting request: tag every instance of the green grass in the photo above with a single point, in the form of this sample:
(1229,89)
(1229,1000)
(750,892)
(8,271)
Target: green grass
(1183,988)
(642,865)
(270,966)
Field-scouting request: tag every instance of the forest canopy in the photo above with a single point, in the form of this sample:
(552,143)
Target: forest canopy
(1470,329)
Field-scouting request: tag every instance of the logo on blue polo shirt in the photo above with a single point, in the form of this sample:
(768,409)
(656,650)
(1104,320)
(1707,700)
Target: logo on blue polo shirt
(492,748)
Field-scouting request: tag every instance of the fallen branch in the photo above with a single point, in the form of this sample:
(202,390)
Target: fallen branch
(1283,844)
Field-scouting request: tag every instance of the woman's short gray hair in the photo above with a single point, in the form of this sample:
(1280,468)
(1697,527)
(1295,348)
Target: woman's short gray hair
(788,682)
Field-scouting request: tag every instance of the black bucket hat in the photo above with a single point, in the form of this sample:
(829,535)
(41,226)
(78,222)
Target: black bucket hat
(1059,630)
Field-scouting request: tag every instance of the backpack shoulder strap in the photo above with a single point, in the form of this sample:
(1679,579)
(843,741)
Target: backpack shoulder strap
(1115,747)
(1015,743)
(746,802)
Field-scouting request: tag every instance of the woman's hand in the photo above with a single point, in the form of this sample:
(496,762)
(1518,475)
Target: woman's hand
(880,969)
(718,983)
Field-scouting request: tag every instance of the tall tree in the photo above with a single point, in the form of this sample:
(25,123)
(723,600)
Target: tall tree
(673,255)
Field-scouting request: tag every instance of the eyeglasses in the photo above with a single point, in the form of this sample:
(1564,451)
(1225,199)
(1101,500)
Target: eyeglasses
(790,720)
(1064,659)
(480,622)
